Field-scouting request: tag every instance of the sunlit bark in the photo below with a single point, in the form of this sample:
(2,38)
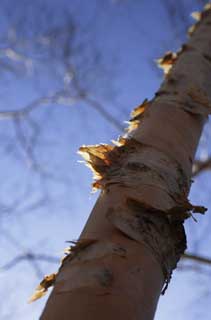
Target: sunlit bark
(134,236)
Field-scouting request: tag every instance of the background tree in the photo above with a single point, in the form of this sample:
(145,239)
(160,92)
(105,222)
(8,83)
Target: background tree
(106,43)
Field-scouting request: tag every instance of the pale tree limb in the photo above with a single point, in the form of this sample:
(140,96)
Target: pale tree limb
(57,97)
(61,97)
(200,166)
(197,258)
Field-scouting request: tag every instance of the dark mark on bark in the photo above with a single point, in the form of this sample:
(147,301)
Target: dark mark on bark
(182,179)
(135,270)
(136,166)
(171,80)
(165,238)
(208,58)
(105,277)
(119,250)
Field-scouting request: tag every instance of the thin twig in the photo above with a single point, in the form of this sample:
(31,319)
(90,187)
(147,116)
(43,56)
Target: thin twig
(200,166)
(29,256)
(23,112)
(197,258)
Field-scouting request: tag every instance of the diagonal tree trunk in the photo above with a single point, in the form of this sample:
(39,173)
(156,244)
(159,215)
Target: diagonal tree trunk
(134,236)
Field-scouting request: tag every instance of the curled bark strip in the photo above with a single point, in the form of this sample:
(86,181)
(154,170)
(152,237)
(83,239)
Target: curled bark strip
(132,125)
(79,245)
(42,288)
(194,101)
(136,115)
(96,158)
(121,141)
(49,280)
(199,16)
(192,29)
(103,160)
(132,167)
(98,250)
(72,251)
(178,213)
(141,223)
(207,6)
(138,111)
(92,276)
(167,61)
(196,15)
(165,239)
(121,164)
(145,179)
(91,269)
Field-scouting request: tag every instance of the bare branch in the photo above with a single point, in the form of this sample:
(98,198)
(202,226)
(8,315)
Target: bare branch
(106,115)
(200,166)
(29,256)
(196,258)
(27,147)
(61,97)
(57,97)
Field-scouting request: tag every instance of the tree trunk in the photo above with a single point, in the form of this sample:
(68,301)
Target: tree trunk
(134,236)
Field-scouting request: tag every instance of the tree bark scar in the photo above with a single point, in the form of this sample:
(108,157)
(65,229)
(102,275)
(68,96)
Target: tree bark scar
(166,239)
(105,277)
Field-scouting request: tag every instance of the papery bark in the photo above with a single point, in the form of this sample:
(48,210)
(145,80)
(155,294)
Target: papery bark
(137,223)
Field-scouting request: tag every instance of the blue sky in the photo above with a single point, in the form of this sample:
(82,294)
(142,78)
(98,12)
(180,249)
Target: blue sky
(112,48)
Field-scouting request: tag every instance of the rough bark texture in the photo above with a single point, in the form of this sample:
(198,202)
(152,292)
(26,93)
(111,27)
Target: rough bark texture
(134,236)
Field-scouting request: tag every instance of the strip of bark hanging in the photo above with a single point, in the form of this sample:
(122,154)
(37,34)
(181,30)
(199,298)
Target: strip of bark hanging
(198,16)
(100,157)
(136,116)
(167,61)
(42,288)
(70,253)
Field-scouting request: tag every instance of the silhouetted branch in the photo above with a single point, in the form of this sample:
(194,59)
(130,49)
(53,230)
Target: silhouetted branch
(200,166)
(58,97)
(197,258)
(106,115)
(29,256)
(61,97)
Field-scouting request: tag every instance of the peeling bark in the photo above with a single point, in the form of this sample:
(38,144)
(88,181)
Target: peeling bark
(137,222)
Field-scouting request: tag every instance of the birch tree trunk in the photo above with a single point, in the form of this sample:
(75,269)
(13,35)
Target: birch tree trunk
(134,236)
